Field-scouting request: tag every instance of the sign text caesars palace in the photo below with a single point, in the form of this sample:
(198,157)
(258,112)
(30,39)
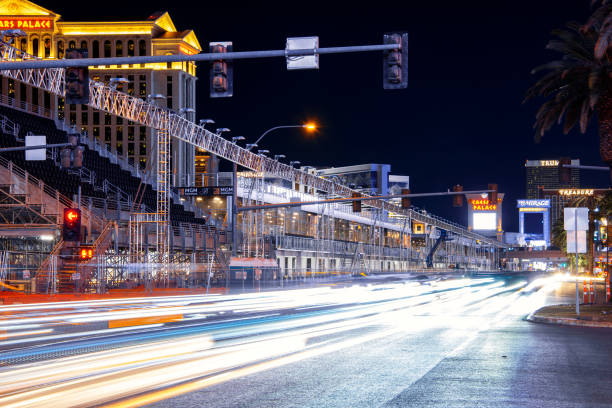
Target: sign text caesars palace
(26,23)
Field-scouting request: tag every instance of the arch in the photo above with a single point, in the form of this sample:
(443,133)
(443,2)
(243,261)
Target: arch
(84,45)
(71,45)
(35,50)
(142,48)
(47,47)
(119,48)
(107,49)
(131,47)
(95,48)
(60,49)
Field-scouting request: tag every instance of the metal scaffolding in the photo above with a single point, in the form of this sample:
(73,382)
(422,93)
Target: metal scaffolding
(105,98)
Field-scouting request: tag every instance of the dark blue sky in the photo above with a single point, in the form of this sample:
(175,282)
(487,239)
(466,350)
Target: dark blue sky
(461,120)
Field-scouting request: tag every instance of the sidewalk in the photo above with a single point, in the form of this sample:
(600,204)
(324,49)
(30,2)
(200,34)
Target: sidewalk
(590,315)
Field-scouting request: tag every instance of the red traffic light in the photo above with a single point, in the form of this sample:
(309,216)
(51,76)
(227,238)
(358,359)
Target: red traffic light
(86,253)
(71,230)
(72,215)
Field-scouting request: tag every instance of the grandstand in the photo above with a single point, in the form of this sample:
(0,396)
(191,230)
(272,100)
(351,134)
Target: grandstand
(111,190)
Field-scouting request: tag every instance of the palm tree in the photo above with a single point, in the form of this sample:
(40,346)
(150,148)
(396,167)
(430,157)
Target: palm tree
(599,206)
(577,86)
(601,18)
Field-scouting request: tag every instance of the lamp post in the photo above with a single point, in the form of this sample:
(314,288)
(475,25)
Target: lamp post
(235,199)
(204,122)
(308,126)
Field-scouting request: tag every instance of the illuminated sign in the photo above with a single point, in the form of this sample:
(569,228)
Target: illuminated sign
(532,203)
(26,23)
(576,192)
(206,191)
(485,221)
(549,163)
(418,228)
(533,209)
(483,205)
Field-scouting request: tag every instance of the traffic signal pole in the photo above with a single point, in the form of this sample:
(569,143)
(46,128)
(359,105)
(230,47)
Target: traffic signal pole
(88,62)
(47,146)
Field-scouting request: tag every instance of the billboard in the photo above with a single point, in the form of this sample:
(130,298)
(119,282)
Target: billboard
(485,221)
(526,203)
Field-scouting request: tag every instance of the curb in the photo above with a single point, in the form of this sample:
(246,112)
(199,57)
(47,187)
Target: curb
(564,321)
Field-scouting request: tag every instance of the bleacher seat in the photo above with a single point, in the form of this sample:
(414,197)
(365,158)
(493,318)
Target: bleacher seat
(66,183)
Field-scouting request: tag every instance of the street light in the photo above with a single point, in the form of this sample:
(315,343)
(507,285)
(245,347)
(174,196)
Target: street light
(219,131)
(204,122)
(237,139)
(294,163)
(310,126)
(186,110)
(263,152)
(155,97)
(279,156)
(250,146)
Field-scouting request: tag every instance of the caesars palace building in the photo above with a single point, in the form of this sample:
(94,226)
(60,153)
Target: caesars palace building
(49,37)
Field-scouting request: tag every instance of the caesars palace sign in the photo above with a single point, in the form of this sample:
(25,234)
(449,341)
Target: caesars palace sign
(483,205)
(26,23)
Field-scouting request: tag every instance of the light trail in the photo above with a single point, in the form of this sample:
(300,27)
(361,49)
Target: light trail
(226,337)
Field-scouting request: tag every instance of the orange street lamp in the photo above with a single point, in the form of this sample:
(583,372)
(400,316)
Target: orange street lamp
(310,126)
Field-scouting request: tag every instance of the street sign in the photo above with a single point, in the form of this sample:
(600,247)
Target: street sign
(36,154)
(206,191)
(571,242)
(303,61)
(576,219)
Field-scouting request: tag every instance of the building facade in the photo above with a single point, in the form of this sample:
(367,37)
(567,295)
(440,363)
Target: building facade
(544,175)
(170,85)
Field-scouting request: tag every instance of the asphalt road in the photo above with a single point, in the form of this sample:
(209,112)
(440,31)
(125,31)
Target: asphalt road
(375,342)
(485,357)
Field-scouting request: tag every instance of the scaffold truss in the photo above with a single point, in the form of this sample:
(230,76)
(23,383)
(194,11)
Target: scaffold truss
(108,99)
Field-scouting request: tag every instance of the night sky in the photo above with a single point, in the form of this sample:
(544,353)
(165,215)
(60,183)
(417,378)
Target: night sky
(461,120)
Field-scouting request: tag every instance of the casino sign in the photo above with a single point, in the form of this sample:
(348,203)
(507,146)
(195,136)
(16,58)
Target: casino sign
(26,23)
(483,205)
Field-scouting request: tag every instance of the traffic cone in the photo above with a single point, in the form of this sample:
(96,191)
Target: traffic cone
(607,289)
(592,290)
(586,292)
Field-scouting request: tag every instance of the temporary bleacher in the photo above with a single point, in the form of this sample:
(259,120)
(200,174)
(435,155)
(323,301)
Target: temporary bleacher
(109,178)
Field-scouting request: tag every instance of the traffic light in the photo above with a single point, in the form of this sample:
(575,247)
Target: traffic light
(221,71)
(71,230)
(77,157)
(66,158)
(72,157)
(493,194)
(395,62)
(86,253)
(564,172)
(406,200)
(458,198)
(356,203)
(77,79)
